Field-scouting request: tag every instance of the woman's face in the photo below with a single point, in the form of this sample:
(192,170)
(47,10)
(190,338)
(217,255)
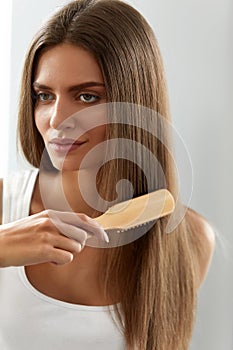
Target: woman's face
(67,80)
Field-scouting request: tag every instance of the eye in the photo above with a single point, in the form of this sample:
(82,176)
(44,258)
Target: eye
(88,98)
(43,96)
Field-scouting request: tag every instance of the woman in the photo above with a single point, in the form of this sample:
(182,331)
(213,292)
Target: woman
(89,54)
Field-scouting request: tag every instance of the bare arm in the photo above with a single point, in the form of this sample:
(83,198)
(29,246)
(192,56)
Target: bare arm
(1,187)
(204,237)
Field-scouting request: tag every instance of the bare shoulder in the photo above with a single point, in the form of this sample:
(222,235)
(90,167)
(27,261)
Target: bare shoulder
(204,238)
(1,187)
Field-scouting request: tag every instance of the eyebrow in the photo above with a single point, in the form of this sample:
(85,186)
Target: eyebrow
(72,88)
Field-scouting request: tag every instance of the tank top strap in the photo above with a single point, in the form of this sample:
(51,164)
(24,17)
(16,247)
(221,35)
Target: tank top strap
(17,193)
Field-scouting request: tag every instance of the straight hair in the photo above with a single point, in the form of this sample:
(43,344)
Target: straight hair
(154,277)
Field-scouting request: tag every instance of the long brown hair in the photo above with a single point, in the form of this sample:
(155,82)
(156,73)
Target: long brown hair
(154,276)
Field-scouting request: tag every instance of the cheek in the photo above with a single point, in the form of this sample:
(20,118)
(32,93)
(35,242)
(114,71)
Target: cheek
(41,123)
(98,134)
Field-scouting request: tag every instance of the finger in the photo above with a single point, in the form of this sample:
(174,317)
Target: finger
(59,253)
(82,221)
(72,232)
(78,234)
(65,243)
(60,257)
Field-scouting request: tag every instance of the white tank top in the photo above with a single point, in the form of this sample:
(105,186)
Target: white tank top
(30,320)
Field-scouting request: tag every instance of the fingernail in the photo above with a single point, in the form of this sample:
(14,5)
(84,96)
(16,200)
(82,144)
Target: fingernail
(106,238)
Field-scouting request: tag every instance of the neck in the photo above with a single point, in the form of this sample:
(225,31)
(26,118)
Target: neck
(69,190)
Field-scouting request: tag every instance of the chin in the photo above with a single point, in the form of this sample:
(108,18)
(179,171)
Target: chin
(66,165)
(75,162)
(70,166)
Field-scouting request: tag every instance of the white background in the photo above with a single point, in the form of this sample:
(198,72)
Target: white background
(5,30)
(196,41)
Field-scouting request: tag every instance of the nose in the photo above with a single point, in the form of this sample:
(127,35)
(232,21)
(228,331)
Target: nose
(61,115)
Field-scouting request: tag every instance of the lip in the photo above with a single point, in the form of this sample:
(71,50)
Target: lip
(65,145)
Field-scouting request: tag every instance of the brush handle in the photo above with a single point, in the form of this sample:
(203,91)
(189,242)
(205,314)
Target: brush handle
(137,211)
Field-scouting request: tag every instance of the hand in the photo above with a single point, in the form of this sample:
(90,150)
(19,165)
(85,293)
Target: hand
(48,236)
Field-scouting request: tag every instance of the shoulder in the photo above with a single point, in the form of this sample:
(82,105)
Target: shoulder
(204,239)
(1,187)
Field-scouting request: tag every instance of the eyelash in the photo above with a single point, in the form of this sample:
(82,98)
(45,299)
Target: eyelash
(39,94)
(90,95)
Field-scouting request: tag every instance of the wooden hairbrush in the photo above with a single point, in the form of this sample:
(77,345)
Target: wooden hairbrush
(138,211)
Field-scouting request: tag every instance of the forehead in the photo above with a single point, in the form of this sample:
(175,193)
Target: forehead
(69,63)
